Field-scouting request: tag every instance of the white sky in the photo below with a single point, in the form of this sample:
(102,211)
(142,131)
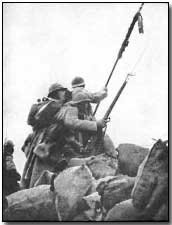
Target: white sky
(46,43)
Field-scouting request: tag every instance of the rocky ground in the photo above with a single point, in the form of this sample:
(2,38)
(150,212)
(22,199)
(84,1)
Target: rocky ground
(99,188)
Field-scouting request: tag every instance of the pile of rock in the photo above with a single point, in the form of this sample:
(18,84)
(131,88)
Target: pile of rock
(149,198)
(100,188)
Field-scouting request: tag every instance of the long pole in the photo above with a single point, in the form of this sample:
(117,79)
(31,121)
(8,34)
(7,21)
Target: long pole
(123,46)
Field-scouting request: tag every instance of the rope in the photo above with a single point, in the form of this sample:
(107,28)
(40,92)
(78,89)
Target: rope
(139,59)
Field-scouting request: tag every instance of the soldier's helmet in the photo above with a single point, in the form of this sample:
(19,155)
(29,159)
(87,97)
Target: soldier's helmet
(55,87)
(9,146)
(78,82)
(79,97)
(9,143)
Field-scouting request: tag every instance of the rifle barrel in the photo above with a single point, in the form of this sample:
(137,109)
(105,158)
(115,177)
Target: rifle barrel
(106,116)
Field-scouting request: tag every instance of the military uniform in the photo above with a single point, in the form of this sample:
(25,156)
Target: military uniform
(78,85)
(27,143)
(83,125)
(41,113)
(10,174)
(40,154)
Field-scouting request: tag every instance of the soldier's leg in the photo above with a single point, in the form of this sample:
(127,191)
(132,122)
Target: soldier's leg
(38,168)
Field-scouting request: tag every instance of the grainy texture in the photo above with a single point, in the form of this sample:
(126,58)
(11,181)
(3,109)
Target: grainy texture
(34,204)
(116,190)
(45,178)
(70,186)
(103,165)
(162,213)
(151,189)
(130,157)
(123,212)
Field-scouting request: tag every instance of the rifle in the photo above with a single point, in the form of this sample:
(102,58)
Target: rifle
(106,116)
(27,171)
(95,142)
(125,43)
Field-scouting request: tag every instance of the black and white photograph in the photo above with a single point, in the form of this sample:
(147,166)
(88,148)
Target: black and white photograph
(85,94)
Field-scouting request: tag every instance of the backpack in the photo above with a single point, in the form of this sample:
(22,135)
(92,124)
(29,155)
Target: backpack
(34,109)
(42,113)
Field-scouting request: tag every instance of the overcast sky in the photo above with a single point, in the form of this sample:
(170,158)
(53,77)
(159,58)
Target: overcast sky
(47,43)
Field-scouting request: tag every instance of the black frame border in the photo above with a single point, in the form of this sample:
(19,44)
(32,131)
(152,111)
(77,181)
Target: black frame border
(169,122)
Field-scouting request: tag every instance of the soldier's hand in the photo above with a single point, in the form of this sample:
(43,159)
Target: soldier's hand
(104,91)
(101,123)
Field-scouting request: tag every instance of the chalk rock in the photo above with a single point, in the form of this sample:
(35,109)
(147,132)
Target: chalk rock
(34,204)
(102,165)
(162,214)
(151,189)
(115,190)
(123,211)
(130,157)
(89,208)
(70,186)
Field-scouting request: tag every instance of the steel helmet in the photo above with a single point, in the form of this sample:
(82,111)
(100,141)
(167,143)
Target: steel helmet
(9,143)
(77,82)
(8,147)
(55,87)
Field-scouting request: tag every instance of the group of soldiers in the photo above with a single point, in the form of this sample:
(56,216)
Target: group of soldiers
(62,126)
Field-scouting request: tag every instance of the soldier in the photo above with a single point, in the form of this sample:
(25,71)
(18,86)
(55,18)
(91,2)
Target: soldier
(78,85)
(10,174)
(42,112)
(41,118)
(77,118)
